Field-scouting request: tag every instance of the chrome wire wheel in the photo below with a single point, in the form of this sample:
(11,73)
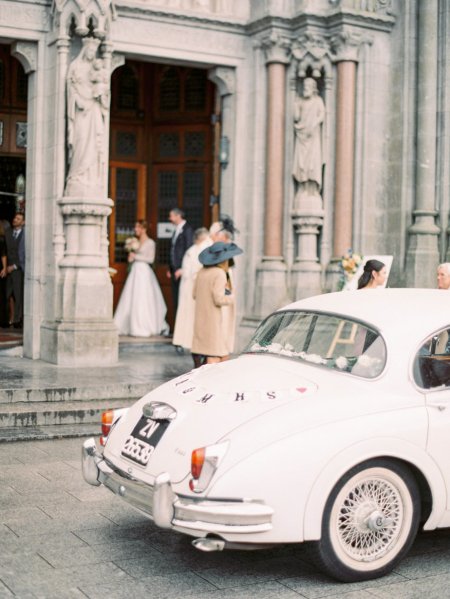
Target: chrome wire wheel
(370,521)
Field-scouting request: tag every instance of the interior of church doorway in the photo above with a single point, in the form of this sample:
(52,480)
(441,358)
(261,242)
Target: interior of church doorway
(13,142)
(162,155)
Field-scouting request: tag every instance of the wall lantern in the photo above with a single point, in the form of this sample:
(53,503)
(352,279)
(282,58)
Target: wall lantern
(224,151)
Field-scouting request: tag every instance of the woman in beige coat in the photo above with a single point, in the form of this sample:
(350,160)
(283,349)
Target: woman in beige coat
(212,290)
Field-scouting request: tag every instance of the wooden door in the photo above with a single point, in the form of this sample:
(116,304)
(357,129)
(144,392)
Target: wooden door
(127,182)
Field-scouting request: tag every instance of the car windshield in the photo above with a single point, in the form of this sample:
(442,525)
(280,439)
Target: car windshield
(321,339)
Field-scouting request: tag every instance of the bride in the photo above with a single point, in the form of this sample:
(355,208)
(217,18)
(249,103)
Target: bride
(141,311)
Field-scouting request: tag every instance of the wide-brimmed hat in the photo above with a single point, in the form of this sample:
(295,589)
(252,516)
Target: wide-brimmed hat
(218,252)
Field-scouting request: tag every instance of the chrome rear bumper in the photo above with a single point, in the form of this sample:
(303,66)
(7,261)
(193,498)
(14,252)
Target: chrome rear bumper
(169,510)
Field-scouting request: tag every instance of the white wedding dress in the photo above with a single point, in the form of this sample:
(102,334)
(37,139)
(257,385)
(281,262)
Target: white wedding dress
(141,311)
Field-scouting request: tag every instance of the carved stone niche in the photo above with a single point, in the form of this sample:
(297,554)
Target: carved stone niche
(89,16)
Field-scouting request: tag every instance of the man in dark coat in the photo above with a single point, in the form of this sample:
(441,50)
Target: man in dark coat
(15,247)
(182,239)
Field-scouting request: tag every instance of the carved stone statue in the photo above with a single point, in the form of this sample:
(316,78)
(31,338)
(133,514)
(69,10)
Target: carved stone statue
(88,99)
(309,114)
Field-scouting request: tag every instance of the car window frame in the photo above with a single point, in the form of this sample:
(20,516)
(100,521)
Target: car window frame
(423,390)
(323,366)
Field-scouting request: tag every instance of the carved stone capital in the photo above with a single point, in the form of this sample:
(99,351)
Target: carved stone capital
(224,78)
(26,54)
(346,45)
(277,48)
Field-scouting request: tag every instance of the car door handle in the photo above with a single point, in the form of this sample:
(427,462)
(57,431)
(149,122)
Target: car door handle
(438,405)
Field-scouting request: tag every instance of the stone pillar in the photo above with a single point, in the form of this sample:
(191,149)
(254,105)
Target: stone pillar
(423,254)
(345,47)
(345,139)
(83,332)
(271,274)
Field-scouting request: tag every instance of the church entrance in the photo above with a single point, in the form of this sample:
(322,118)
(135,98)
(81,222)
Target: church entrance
(13,142)
(161,156)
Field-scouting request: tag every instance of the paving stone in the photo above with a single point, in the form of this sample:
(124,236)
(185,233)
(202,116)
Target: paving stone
(151,565)
(431,587)
(31,528)
(19,546)
(156,587)
(48,579)
(112,533)
(67,557)
(253,569)
(9,497)
(426,564)
(314,584)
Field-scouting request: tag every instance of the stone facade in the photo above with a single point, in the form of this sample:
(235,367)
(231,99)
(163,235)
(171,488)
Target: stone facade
(382,72)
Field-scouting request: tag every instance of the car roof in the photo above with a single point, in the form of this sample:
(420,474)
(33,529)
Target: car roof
(421,311)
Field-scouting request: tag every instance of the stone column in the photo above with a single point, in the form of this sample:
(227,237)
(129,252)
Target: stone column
(345,47)
(345,139)
(271,274)
(423,254)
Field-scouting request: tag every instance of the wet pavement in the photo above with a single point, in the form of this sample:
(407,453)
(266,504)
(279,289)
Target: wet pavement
(61,538)
(139,363)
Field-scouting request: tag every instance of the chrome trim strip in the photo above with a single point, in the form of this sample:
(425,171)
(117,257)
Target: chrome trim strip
(167,509)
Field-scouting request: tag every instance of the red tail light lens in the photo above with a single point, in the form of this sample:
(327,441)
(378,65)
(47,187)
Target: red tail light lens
(107,420)
(197,461)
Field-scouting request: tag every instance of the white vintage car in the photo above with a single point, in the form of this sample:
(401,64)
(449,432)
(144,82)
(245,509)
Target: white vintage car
(333,426)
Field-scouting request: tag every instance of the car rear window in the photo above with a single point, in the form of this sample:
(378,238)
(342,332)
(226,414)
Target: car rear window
(321,339)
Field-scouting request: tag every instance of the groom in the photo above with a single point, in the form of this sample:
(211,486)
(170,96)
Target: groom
(182,239)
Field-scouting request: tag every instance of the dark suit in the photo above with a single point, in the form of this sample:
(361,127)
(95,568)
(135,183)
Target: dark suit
(14,282)
(180,243)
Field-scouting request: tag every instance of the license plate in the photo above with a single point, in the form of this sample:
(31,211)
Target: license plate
(145,436)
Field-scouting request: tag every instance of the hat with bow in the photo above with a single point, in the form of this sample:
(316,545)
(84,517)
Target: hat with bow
(218,252)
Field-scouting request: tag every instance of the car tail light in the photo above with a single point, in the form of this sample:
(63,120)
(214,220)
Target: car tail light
(197,461)
(107,420)
(204,463)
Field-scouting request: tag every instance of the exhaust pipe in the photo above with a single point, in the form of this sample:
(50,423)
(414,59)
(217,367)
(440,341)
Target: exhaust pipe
(209,544)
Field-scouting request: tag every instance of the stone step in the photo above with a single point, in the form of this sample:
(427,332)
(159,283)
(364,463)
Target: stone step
(73,413)
(79,393)
(37,433)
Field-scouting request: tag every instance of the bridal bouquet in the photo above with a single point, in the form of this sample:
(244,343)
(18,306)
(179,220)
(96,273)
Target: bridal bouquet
(348,265)
(131,244)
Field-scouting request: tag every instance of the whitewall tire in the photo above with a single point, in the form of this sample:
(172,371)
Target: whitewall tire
(370,521)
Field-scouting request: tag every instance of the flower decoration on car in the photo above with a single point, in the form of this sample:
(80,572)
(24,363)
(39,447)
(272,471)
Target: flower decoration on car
(348,265)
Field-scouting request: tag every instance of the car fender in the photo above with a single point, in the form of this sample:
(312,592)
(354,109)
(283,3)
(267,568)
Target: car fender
(357,453)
